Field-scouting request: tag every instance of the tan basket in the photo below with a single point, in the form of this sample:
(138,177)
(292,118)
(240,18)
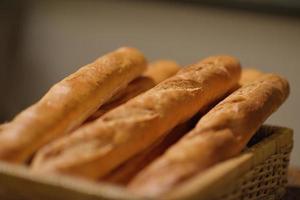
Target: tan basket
(260,172)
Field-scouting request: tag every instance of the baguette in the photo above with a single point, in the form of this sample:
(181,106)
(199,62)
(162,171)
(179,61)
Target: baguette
(134,88)
(222,133)
(68,103)
(98,147)
(125,172)
(155,73)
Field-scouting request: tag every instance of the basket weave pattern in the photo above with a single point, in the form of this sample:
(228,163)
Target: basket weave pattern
(265,181)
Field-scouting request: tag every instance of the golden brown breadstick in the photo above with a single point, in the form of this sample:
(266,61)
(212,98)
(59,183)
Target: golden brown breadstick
(161,70)
(98,147)
(219,135)
(156,72)
(249,74)
(125,172)
(134,88)
(68,103)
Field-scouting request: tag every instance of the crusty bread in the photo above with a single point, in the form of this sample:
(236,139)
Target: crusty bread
(134,88)
(68,103)
(160,70)
(125,172)
(222,133)
(156,72)
(98,147)
(250,74)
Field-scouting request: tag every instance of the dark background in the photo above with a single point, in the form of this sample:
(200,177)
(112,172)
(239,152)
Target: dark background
(43,41)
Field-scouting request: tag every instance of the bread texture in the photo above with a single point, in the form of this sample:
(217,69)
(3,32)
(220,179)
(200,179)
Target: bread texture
(68,103)
(95,149)
(156,72)
(134,88)
(125,172)
(220,134)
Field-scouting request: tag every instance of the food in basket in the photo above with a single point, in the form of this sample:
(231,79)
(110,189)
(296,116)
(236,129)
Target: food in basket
(119,121)
(155,73)
(96,148)
(222,133)
(68,103)
(124,173)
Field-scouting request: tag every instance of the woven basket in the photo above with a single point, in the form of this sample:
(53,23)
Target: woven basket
(260,172)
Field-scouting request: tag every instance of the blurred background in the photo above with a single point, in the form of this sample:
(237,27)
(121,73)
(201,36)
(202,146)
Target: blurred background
(43,41)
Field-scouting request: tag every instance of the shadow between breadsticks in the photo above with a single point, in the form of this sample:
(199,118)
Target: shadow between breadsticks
(69,103)
(98,147)
(220,134)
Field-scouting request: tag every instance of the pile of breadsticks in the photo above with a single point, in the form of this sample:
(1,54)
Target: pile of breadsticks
(148,127)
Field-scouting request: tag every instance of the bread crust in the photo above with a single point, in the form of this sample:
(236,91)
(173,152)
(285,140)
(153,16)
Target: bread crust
(134,88)
(222,133)
(125,172)
(98,147)
(156,72)
(68,103)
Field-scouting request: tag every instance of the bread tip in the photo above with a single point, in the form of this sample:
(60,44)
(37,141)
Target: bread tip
(283,81)
(126,48)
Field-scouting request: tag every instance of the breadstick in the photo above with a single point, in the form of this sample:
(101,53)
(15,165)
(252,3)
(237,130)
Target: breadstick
(134,88)
(68,103)
(125,172)
(158,71)
(155,73)
(98,147)
(219,135)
